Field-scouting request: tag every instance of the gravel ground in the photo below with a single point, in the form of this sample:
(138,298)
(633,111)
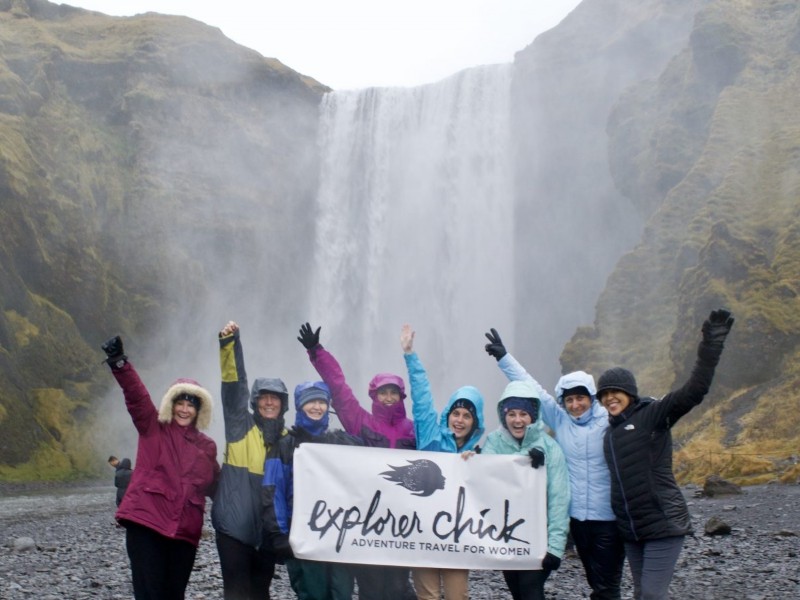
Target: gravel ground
(78,552)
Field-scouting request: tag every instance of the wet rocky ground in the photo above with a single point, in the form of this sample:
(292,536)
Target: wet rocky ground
(75,551)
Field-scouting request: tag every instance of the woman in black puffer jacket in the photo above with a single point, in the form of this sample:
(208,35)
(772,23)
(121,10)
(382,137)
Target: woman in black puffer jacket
(649,506)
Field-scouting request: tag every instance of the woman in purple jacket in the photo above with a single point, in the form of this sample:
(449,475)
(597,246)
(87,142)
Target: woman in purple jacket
(176,468)
(385,427)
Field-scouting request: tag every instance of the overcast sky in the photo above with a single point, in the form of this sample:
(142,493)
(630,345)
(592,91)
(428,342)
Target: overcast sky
(363,43)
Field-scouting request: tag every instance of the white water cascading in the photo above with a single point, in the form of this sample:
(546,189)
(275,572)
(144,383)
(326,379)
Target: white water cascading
(415,224)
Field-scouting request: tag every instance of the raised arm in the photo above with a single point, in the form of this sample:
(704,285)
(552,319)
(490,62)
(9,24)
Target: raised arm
(426,421)
(677,403)
(351,414)
(234,390)
(137,398)
(552,413)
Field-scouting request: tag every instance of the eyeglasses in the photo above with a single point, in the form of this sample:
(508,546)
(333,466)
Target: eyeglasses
(190,397)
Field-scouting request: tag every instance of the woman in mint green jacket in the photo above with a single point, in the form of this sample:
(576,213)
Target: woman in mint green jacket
(522,432)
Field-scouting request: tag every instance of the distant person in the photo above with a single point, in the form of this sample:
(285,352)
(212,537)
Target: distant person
(176,468)
(650,508)
(521,431)
(254,422)
(310,579)
(122,475)
(386,426)
(579,423)
(457,429)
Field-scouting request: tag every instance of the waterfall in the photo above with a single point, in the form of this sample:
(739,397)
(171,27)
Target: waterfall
(414,224)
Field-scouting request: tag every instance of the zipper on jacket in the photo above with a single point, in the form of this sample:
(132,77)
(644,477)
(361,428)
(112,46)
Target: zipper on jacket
(622,487)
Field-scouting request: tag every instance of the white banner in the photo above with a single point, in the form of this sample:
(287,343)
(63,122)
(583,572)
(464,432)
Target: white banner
(418,509)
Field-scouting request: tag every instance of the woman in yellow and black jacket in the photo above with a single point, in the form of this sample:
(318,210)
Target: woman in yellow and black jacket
(253,425)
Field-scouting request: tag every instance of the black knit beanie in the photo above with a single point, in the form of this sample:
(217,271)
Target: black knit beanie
(618,379)
(467,404)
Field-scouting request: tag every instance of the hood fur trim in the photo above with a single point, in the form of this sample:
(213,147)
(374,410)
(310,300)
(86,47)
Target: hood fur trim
(188,386)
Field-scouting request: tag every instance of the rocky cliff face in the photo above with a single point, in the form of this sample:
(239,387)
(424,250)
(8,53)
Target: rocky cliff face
(130,147)
(707,151)
(573,220)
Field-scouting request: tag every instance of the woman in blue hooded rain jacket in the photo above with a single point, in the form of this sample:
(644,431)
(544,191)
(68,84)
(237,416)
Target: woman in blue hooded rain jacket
(457,429)
(311,580)
(579,423)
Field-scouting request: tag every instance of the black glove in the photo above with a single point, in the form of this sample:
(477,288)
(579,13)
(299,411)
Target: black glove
(281,548)
(551,562)
(717,327)
(495,346)
(307,337)
(272,429)
(116,355)
(537,457)
(300,435)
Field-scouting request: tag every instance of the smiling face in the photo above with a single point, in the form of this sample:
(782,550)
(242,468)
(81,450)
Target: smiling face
(184,412)
(517,421)
(388,394)
(577,404)
(460,422)
(315,409)
(615,401)
(269,405)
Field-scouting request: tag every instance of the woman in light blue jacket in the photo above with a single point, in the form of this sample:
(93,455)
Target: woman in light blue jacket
(522,432)
(458,429)
(579,422)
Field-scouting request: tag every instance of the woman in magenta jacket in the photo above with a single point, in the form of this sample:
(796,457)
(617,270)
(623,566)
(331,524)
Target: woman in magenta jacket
(176,468)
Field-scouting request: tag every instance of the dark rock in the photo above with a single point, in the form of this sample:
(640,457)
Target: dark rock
(717,486)
(716,526)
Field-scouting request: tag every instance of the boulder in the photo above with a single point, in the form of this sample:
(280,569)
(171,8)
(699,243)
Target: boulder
(23,544)
(716,526)
(717,486)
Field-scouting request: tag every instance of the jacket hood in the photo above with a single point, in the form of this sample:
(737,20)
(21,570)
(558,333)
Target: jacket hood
(520,389)
(187,386)
(382,379)
(388,414)
(572,380)
(269,384)
(125,463)
(472,394)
